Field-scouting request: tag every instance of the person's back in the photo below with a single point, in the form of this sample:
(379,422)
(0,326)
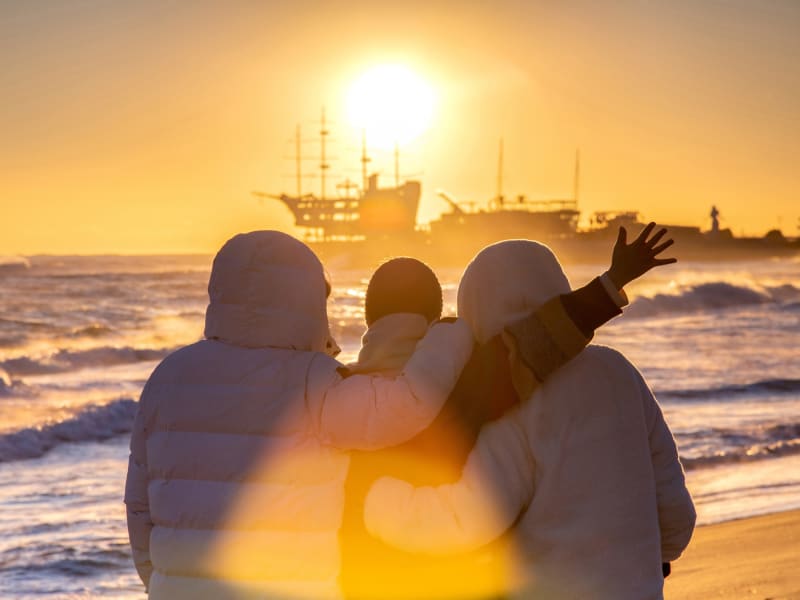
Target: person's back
(593,528)
(242,493)
(403,297)
(235,483)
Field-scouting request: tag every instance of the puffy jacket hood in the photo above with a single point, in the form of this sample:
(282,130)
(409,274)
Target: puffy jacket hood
(267,289)
(505,282)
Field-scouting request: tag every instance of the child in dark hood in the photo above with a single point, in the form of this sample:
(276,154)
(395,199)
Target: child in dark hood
(403,298)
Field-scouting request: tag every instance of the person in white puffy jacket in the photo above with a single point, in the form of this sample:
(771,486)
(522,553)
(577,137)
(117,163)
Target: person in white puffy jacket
(585,472)
(235,485)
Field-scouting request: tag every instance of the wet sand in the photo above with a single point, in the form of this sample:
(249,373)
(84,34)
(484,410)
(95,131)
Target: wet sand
(756,558)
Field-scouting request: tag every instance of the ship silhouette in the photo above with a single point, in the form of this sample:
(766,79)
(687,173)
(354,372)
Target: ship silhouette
(364,225)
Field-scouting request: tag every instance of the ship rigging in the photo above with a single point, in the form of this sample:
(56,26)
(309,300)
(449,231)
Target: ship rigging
(371,212)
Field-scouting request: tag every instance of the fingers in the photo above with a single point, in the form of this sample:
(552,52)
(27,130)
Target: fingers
(654,240)
(622,236)
(657,262)
(661,247)
(645,232)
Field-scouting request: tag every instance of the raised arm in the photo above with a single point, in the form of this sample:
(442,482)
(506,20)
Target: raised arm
(497,484)
(136,499)
(368,412)
(555,333)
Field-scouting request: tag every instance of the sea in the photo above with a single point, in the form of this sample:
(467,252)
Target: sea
(717,342)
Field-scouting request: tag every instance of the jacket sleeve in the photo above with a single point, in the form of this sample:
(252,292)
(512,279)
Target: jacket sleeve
(676,512)
(495,487)
(136,499)
(368,412)
(558,330)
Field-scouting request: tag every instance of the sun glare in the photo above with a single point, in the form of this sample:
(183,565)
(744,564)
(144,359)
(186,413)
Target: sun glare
(392,104)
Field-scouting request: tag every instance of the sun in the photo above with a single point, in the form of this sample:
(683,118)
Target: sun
(392,104)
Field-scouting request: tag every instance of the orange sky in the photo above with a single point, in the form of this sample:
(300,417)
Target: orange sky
(143,127)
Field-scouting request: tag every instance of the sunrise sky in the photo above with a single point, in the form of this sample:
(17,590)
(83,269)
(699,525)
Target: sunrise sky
(143,127)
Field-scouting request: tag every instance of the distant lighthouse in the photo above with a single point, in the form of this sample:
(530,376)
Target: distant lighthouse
(714,220)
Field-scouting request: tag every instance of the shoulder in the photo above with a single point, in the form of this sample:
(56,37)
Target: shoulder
(173,362)
(595,365)
(596,354)
(210,362)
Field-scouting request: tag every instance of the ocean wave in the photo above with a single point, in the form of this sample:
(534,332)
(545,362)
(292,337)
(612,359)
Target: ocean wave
(95,423)
(16,388)
(70,360)
(740,445)
(25,324)
(94,330)
(5,382)
(766,386)
(738,455)
(62,556)
(711,296)
(13,264)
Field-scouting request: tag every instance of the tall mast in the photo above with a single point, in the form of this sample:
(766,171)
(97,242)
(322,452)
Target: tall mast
(298,161)
(577,181)
(364,160)
(500,174)
(323,166)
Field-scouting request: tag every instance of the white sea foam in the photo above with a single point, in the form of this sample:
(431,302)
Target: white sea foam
(711,296)
(5,382)
(9,264)
(94,423)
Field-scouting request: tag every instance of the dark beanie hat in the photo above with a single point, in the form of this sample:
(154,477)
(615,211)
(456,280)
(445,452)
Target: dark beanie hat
(403,285)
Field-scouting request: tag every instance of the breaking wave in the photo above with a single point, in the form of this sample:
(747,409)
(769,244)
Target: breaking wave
(95,330)
(772,442)
(766,386)
(95,423)
(70,360)
(711,296)
(13,264)
(5,383)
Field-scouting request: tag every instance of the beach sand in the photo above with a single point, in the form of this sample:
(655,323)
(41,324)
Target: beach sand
(756,558)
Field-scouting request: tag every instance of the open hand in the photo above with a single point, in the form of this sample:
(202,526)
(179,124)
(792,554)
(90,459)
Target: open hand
(633,260)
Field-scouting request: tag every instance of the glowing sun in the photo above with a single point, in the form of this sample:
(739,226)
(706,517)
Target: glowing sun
(392,104)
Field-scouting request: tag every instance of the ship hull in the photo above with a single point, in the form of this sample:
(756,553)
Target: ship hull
(581,248)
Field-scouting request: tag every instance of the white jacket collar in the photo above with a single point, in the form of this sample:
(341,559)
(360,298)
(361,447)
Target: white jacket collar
(389,343)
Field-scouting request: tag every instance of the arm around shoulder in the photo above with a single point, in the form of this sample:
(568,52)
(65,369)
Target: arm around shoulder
(368,412)
(496,485)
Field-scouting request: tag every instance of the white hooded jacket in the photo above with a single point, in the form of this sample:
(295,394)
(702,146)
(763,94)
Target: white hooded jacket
(235,483)
(586,467)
